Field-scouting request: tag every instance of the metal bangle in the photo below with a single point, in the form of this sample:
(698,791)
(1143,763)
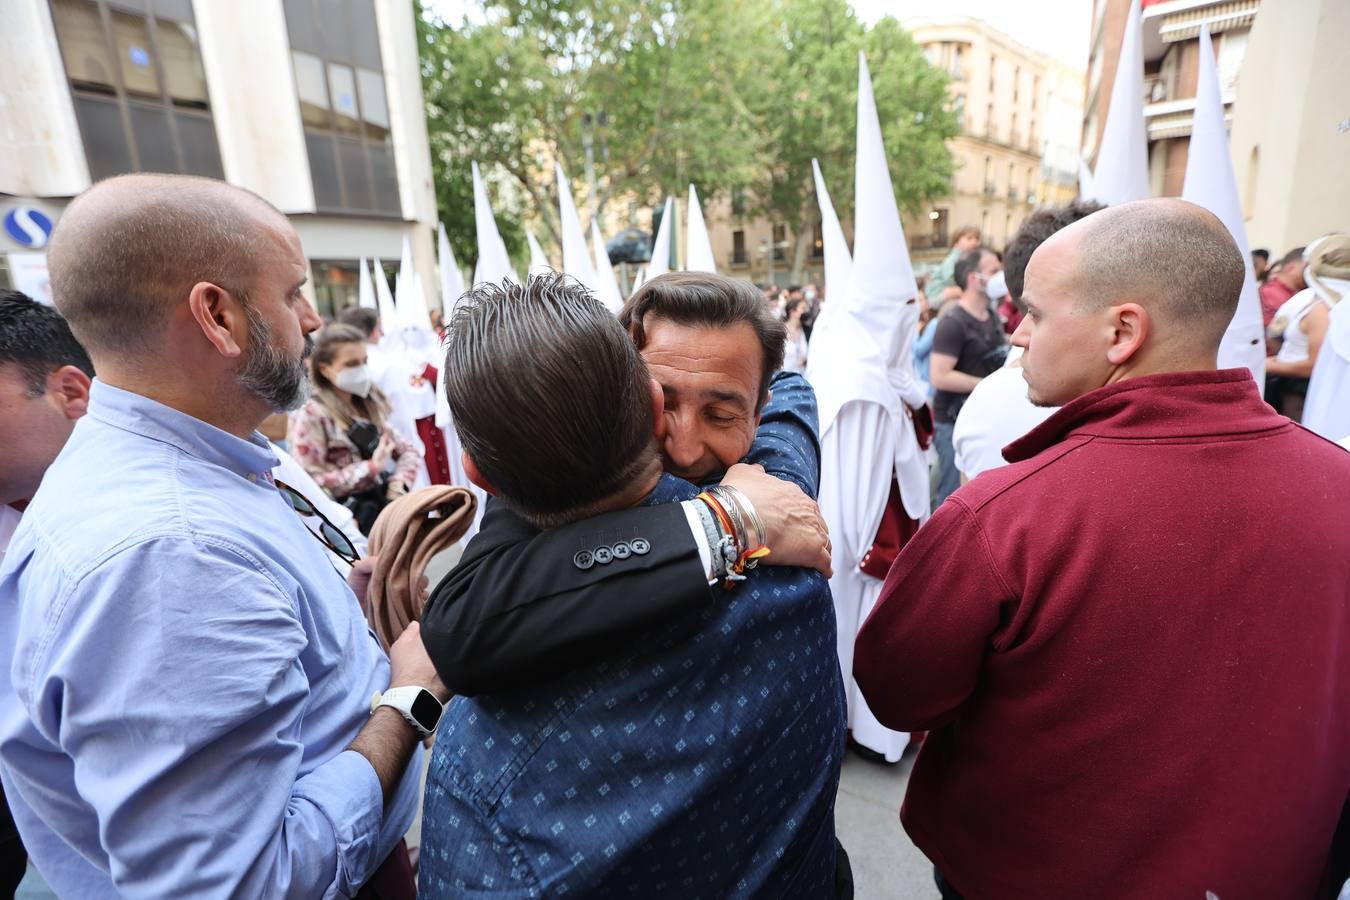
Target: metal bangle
(741,500)
(733,509)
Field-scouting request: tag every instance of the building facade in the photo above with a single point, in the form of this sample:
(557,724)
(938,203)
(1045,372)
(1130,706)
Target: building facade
(1018,111)
(316,105)
(1171,43)
(1290,139)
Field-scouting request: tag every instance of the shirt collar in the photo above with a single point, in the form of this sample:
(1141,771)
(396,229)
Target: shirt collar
(250,458)
(1157,407)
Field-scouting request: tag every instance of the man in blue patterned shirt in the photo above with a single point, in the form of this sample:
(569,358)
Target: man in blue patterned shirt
(700,758)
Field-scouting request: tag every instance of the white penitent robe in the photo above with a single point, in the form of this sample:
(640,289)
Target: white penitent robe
(411,397)
(854,487)
(455,452)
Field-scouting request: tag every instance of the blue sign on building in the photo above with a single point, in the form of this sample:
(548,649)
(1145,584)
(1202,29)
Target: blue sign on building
(28,227)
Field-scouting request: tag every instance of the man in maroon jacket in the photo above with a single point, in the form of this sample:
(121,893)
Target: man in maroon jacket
(1130,645)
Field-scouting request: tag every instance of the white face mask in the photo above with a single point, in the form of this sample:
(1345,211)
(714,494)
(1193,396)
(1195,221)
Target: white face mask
(809,294)
(996,287)
(355,380)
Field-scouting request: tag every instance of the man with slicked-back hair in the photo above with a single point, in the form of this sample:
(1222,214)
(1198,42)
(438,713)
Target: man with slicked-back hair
(190,713)
(1128,646)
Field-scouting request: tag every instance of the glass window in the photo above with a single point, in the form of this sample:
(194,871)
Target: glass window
(341,87)
(738,248)
(779,238)
(818,242)
(83,46)
(342,93)
(130,79)
(374,110)
(183,76)
(312,88)
(135,54)
(364,33)
(197,136)
(105,141)
(150,128)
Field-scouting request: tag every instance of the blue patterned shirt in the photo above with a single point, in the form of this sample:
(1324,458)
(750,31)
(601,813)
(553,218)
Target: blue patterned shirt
(684,766)
(187,672)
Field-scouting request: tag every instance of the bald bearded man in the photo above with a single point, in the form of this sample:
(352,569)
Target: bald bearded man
(191,704)
(1129,644)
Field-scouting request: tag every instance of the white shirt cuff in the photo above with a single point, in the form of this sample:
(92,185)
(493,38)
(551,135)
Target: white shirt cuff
(700,537)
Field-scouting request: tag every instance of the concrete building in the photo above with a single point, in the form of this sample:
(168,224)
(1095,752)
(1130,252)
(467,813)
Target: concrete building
(1018,148)
(1171,30)
(1020,117)
(316,105)
(1290,139)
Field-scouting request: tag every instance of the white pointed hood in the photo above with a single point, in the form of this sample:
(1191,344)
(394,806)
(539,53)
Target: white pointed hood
(493,262)
(384,302)
(539,263)
(838,259)
(365,288)
(639,279)
(698,247)
(1121,174)
(409,298)
(452,281)
(606,285)
(867,351)
(1210,183)
(660,261)
(577,261)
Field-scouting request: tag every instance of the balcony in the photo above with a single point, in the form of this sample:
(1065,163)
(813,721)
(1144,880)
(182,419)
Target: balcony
(990,189)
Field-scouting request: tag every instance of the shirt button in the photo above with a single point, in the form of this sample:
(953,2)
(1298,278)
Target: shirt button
(640,546)
(621,550)
(251,477)
(583,560)
(604,556)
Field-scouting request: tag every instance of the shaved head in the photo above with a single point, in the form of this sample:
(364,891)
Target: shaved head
(130,248)
(1173,257)
(1135,289)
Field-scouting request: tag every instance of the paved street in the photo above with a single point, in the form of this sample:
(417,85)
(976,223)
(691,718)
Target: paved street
(886,866)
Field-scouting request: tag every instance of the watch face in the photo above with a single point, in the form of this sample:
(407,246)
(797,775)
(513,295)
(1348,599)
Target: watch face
(426,710)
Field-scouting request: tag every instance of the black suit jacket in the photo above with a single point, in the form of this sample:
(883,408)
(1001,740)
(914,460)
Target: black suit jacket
(520,609)
(523,605)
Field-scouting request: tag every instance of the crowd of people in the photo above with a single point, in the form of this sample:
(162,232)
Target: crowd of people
(1117,639)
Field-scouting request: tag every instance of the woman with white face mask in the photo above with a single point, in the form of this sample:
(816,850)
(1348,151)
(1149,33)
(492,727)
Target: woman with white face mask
(342,436)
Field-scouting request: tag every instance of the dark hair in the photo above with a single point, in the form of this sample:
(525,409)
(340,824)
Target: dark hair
(708,300)
(1262,252)
(792,304)
(551,399)
(366,320)
(34,337)
(968,264)
(1294,255)
(1034,231)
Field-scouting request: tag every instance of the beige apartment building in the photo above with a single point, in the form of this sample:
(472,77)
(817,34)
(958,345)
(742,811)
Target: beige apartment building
(1020,118)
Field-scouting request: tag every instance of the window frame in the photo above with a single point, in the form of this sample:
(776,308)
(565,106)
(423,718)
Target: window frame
(124,101)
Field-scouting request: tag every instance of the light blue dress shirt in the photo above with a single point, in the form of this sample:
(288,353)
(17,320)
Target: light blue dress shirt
(188,670)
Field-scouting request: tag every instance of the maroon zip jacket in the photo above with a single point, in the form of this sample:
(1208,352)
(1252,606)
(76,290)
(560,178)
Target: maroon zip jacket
(1132,649)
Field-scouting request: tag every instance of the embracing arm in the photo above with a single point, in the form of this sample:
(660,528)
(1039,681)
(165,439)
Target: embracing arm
(518,609)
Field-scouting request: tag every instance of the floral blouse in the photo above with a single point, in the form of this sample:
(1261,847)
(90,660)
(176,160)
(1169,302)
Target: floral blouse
(320,443)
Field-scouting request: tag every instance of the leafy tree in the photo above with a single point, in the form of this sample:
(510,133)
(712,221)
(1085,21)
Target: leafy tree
(726,94)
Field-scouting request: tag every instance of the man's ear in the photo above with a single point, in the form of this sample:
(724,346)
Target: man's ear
(658,401)
(471,469)
(1130,327)
(70,387)
(221,318)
